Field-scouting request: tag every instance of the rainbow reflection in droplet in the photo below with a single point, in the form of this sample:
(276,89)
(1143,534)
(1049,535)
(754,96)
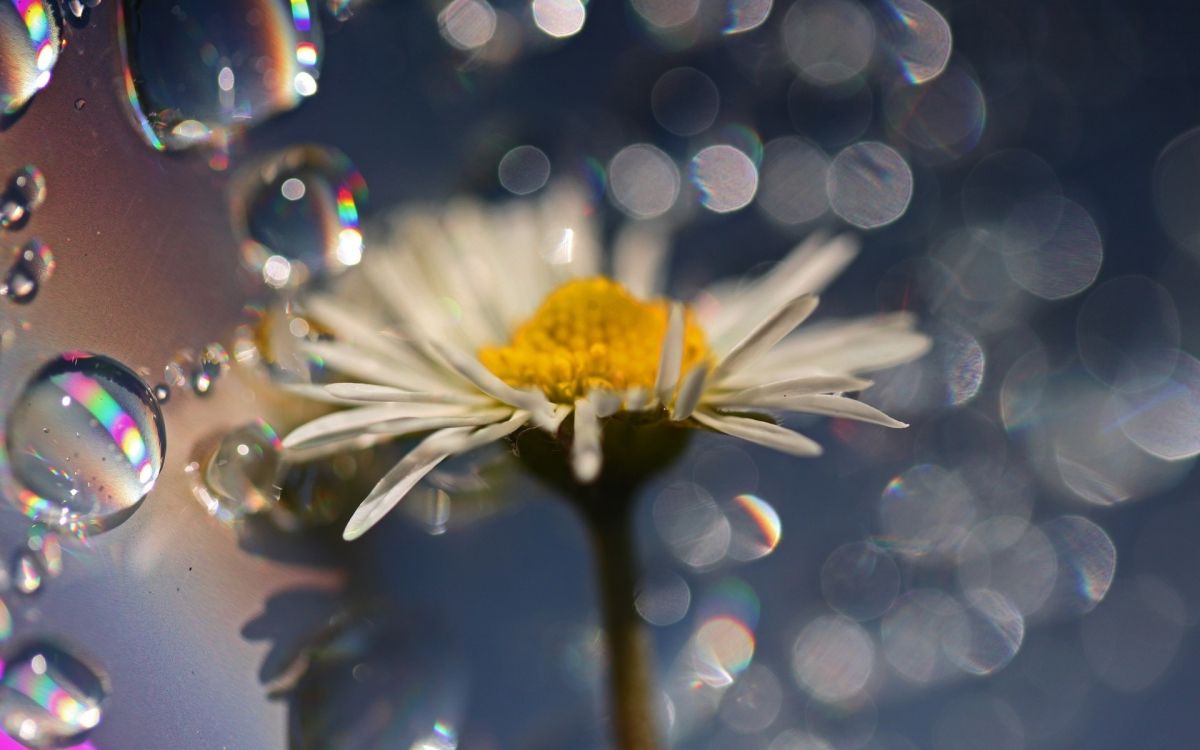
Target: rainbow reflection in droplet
(298,215)
(29,45)
(755,526)
(49,697)
(197,70)
(85,444)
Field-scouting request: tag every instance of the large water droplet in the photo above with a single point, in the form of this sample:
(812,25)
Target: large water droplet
(30,269)
(297,214)
(29,45)
(25,191)
(85,444)
(243,473)
(196,70)
(49,697)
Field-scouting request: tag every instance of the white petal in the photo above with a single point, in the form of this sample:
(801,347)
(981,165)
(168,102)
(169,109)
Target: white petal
(639,260)
(671,357)
(401,478)
(361,418)
(585,447)
(800,386)
(637,399)
(808,269)
(834,406)
(420,461)
(346,324)
(371,368)
(334,446)
(314,392)
(766,335)
(535,402)
(690,391)
(607,403)
(371,393)
(408,426)
(763,433)
(856,345)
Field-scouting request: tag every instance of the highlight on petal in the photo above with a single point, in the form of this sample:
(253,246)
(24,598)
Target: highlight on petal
(799,386)
(585,447)
(535,402)
(766,434)
(690,391)
(767,334)
(834,406)
(671,358)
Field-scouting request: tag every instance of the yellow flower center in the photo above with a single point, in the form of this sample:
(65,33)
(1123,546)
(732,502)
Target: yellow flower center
(590,334)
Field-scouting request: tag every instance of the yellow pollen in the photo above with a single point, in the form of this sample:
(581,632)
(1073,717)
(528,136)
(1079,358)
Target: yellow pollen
(590,334)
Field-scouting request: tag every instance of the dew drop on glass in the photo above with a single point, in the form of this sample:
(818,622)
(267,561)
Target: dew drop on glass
(297,215)
(30,269)
(29,45)
(195,70)
(24,192)
(85,444)
(49,697)
(243,473)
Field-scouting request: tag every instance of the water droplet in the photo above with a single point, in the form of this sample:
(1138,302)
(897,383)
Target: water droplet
(30,269)
(50,697)
(755,528)
(24,193)
(79,7)
(196,70)
(685,101)
(828,41)
(726,178)
(524,170)
(162,393)
(80,103)
(202,381)
(26,573)
(29,46)
(297,214)
(243,473)
(644,182)
(860,580)
(85,444)
(917,36)
(869,184)
(47,548)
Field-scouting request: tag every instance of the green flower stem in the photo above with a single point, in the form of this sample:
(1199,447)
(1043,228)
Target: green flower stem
(631,672)
(635,447)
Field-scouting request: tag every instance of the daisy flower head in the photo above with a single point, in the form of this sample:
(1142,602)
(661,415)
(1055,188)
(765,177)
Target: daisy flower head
(482,321)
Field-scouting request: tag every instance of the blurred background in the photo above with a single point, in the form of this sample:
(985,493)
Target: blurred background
(1016,570)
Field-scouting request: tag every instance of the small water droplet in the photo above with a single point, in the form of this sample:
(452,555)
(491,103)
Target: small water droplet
(79,7)
(47,549)
(96,409)
(24,193)
(30,269)
(202,381)
(196,70)
(29,46)
(162,393)
(26,573)
(80,103)
(297,214)
(243,472)
(49,697)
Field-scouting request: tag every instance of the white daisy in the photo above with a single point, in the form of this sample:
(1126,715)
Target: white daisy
(481,321)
